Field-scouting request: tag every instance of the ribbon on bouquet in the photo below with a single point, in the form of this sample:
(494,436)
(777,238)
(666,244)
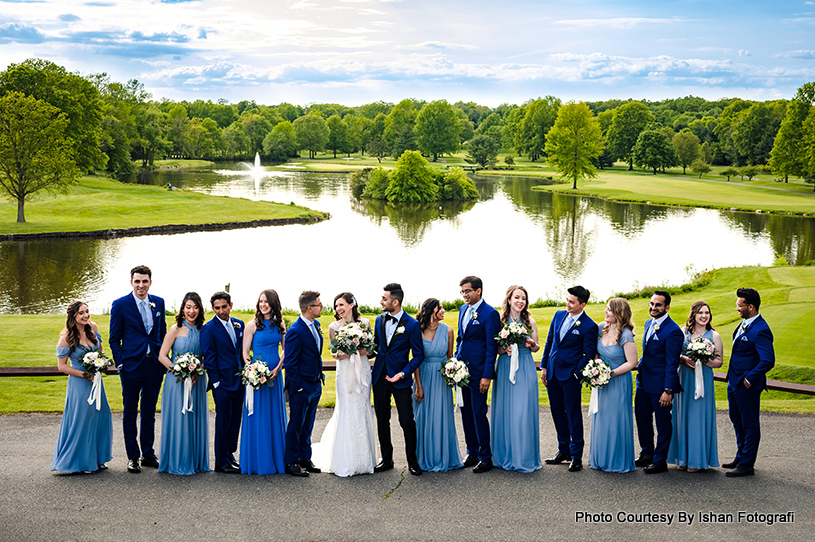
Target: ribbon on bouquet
(700,381)
(96,391)
(250,400)
(594,402)
(356,369)
(459,399)
(513,362)
(186,404)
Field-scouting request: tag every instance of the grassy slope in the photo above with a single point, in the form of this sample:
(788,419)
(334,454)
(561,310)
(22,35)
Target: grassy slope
(98,203)
(788,297)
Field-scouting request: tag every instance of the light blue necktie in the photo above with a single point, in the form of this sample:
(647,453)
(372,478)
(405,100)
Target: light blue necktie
(145,316)
(651,331)
(231,330)
(468,316)
(567,324)
(316,336)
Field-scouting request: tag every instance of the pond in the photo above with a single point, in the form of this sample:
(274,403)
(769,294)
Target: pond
(511,235)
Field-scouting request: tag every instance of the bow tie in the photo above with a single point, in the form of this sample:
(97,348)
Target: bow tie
(389,317)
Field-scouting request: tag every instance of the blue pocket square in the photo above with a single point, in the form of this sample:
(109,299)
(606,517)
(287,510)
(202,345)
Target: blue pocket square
(575,332)
(743,338)
(654,337)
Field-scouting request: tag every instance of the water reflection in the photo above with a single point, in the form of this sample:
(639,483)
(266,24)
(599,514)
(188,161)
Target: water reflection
(410,220)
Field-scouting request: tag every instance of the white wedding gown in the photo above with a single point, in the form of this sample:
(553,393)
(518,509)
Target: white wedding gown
(348,445)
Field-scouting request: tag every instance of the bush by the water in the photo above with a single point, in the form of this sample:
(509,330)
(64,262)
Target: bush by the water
(413,181)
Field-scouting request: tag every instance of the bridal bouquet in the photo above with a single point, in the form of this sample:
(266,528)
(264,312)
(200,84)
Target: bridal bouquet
(186,365)
(701,350)
(352,337)
(597,373)
(512,333)
(256,374)
(455,373)
(94,362)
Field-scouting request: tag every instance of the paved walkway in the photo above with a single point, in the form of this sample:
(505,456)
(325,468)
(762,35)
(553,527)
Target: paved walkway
(114,505)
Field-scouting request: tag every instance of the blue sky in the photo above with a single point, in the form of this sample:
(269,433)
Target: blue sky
(358,51)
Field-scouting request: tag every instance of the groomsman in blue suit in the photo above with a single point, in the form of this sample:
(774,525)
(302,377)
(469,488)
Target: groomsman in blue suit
(302,359)
(397,335)
(752,356)
(137,329)
(570,344)
(657,381)
(478,324)
(221,347)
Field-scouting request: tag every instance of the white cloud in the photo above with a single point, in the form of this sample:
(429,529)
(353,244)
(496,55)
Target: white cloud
(445,45)
(620,22)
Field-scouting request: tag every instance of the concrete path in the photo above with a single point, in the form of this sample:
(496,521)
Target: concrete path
(36,504)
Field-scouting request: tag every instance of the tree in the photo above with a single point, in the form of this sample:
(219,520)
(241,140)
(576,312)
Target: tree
(437,129)
(514,128)
(808,146)
(151,127)
(510,161)
(412,180)
(628,121)
(378,149)
(786,157)
(255,127)
(482,150)
(539,118)
(753,135)
(178,130)
(654,150)
(281,142)
(748,171)
(687,148)
(35,153)
(455,185)
(312,133)
(399,128)
(337,134)
(729,172)
(700,166)
(574,140)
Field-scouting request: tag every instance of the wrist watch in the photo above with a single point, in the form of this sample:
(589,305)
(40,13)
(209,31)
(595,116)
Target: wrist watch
(669,391)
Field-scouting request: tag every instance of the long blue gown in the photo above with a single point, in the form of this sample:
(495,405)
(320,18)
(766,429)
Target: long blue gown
(184,445)
(694,440)
(437,444)
(263,434)
(611,447)
(85,440)
(514,415)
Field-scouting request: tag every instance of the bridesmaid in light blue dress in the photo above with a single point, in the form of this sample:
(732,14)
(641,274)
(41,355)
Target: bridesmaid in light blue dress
(694,445)
(85,436)
(263,434)
(514,412)
(611,447)
(184,435)
(436,444)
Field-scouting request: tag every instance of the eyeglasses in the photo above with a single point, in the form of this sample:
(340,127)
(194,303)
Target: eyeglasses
(316,305)
(467,291)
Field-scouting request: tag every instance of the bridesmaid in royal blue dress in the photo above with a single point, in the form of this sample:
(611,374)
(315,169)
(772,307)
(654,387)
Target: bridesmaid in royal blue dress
(611,447)
(694,445)
(85,436)
(263,434)
(184,435)
(515,429)
(437,444)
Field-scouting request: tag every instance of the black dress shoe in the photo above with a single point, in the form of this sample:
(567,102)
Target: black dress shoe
(383,466)
(149,462)
(655,468)
(103,467)
(229,468)
(295,470)
(483,466)
(415,469)
(133,466)
(470,461)
(644,460)
(740,470)
(308,466)
(576,465)
(559,458)
(732,465)
(235,464)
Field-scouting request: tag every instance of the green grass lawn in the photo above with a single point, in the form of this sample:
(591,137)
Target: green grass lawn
(98,203)
(788,304)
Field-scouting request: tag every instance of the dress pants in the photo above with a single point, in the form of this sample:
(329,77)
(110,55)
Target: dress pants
(142,383)
(228,412)
(646,405)
(302,411)
(403,397)
(474,421)
(743,405)
(564,402)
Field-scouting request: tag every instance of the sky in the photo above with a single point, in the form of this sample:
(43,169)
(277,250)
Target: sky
(354,52)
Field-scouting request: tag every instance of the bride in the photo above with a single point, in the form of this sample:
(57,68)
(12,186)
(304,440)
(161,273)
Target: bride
(348,446)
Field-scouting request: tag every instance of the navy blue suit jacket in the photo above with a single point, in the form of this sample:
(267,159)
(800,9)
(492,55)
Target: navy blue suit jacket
(222,360)
(660,358)
(301,357)
(128,337)
(394,356)
(752,355)
(566,359)
(476,346)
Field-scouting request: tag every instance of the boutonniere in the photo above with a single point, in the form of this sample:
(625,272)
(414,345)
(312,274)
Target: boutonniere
(577,323)
(656,328)
(475,316)
(152,305)
(236,325)
(400,330)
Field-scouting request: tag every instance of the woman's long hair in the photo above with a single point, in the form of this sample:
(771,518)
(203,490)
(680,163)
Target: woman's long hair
(622,312)
(276,312)
(195,298)
(694,310)
(349,298)
(72,327)
(427,311)
(524,312)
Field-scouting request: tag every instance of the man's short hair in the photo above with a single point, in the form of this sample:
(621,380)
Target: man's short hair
(220,295)
(474,281)
(665,295)
(306,299)
(750,296)
(141,270)
(580,293)
(395,291)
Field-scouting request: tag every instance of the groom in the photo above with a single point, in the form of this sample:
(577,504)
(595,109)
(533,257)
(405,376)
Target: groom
(221,347)
(137,329)
(303,362)
(397,335)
